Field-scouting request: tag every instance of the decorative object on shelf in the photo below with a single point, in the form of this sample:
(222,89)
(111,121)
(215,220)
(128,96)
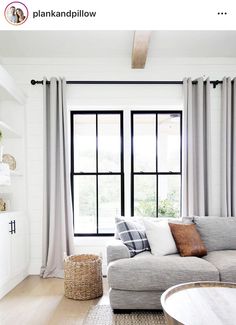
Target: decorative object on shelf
(3,205)
(7,199)
(1,146)
(10,160)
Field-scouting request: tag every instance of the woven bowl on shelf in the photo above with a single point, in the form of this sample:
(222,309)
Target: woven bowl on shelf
(10,160)
(83,276)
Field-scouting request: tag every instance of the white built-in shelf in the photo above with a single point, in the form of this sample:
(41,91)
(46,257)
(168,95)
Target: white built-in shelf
(9,211)
(8,132)
(15,173)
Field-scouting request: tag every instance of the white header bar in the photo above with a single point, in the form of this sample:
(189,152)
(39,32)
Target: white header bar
(118,15)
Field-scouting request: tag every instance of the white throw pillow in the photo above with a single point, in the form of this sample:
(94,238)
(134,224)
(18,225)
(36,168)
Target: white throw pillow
(160,238)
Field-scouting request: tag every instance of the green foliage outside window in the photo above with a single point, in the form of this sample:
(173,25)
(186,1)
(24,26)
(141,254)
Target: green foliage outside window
(167,207)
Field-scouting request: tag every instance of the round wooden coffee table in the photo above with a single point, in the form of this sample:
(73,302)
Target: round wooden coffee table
(200,303)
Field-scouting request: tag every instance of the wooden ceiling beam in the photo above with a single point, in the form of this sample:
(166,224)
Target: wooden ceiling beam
(140,49)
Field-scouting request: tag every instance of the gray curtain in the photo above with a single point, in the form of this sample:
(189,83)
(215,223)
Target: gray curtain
(228,148)
(57,215)
(196,137)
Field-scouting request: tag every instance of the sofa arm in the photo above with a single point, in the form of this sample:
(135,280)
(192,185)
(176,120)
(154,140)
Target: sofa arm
(116,250)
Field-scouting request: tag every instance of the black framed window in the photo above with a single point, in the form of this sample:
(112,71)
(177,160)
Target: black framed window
(156,163)
(97,170)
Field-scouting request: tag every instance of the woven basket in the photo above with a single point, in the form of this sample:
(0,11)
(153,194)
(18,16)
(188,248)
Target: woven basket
(83,277)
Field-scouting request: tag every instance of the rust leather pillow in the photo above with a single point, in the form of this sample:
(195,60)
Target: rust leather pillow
(188,240)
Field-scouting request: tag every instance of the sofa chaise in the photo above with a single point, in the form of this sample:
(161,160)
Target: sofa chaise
(138,282)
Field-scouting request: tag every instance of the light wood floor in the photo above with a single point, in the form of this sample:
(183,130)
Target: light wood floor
(37,301)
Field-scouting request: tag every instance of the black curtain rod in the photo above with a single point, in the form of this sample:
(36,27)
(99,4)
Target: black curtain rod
(124,82)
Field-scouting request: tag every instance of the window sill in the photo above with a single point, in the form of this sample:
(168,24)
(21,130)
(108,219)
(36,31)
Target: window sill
(91,240)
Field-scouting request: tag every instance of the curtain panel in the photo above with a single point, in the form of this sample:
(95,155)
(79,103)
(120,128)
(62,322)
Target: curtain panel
(196,143)
(57,213)
(228,148)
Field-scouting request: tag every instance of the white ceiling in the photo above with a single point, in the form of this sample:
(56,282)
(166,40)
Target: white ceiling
(115,44)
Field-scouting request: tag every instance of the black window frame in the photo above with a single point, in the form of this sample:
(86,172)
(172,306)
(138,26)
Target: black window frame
(97,174)
(157,173)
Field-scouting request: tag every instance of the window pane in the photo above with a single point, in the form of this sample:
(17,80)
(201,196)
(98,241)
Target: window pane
(169,142)
(109,201)
(109,143)
(144,142)
(85,204)
(145,195)
(169,195)
(85,143)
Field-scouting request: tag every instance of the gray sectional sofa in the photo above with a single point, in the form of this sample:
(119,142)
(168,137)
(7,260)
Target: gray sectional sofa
(138,282)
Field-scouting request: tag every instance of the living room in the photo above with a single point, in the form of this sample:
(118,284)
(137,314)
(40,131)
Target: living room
(112,124)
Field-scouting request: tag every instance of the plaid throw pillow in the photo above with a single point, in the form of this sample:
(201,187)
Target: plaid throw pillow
(132,235)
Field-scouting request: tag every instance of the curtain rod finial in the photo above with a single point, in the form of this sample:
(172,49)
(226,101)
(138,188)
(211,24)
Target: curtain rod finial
(33,82)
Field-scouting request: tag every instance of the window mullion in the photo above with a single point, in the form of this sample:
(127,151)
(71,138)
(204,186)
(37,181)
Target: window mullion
(132,164)
(97,173)
(157,201)
(122,163)
(72,163)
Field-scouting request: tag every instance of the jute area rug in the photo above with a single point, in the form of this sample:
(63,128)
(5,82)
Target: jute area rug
(103,315)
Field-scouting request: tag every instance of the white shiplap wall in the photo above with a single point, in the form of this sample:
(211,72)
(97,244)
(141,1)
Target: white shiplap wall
(93,96)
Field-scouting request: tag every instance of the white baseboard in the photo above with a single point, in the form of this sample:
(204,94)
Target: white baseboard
(12,283)
(34,267)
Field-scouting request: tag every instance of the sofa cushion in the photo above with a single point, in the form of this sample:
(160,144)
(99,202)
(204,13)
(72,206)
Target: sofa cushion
(130,219)
(225,262)
(188,240)
(140,220)
(132,235)
(217,233)
(160,238)
(148,272)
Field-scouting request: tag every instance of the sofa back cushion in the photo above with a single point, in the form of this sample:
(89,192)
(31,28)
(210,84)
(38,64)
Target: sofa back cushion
(217,233)
(132,235)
